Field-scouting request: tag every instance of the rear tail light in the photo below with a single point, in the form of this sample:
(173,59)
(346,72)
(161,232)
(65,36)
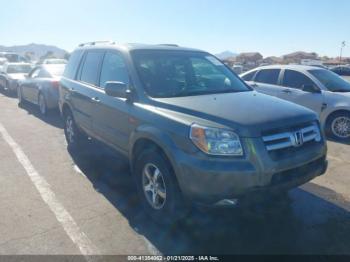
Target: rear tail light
(56,84)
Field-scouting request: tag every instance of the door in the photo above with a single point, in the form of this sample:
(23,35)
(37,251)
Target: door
(111,114)
(294,83)
(28,85)
(83,93)
(266,81)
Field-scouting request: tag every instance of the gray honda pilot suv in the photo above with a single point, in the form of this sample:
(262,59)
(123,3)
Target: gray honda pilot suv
(192,130)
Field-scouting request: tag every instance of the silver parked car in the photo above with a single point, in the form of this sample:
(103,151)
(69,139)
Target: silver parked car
(316,88)
(11,73)
(41,87)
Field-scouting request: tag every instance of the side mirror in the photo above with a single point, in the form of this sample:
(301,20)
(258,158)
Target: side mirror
(310,89)
(117,89)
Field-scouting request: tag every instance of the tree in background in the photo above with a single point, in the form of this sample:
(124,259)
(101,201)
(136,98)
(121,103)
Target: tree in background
(29,55)
(49,54)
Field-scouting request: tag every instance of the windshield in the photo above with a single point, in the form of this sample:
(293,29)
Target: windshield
(176,73)
(14,69)
(331,81)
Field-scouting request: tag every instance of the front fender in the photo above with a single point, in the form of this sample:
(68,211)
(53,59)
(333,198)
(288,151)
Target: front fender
(158,137)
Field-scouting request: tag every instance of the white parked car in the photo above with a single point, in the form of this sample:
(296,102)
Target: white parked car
(11,73)
(316,88)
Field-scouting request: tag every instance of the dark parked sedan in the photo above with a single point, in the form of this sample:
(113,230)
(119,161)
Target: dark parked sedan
(41,87)
(341,70)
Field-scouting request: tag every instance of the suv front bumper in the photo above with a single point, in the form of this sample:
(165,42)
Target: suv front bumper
(208,180)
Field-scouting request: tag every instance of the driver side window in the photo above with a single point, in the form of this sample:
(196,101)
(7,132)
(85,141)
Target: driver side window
(294,79)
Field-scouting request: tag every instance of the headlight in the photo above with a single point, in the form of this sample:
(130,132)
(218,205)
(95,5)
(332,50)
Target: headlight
(216,141)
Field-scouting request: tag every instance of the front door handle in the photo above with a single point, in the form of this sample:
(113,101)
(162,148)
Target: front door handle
(287,91)
(96,100)
(254,85)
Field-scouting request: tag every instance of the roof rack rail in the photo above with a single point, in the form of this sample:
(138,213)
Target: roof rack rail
(175,45)
(97,42)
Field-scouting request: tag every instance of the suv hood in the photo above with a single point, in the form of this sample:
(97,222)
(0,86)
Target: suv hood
(248,113)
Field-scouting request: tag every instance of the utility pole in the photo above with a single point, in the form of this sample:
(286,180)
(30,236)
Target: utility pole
(341,51)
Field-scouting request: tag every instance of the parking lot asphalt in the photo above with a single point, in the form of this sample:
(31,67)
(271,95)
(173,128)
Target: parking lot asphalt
(52,202)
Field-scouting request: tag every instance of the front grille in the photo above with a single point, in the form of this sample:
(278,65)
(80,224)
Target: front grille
(292,174)
(290,141)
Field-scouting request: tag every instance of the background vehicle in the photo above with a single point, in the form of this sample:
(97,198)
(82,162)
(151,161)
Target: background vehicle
(318,89)
(41,87)
(192,130)
(13,57)
(11,73)
(50,61)
(341,70)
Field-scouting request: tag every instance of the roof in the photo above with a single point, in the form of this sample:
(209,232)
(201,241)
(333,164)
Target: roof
(295,67)
(21,63)
(137,46)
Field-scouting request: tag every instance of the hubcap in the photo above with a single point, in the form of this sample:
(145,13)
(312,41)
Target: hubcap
(154,186)
(341,127)
(70,129)
(42,104)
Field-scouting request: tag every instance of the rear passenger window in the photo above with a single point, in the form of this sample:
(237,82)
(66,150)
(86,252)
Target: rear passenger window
(89,71)
(268,76)
(249,77)
(296,79)
(113,69)
(73,64)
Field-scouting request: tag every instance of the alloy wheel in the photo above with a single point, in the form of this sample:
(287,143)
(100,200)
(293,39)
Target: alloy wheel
(70,129)
(42,104)
(154,186)
(341,127)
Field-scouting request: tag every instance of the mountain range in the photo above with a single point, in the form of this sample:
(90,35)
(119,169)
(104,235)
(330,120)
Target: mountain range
(37,50)
(225,54)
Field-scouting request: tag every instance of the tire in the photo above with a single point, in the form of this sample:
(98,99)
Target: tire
(74,136)
(169,205)
(338,126)
(20,96)
(42,104)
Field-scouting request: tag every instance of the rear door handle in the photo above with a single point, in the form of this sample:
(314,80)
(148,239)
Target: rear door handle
(254,85)
(71,90)
(96,99)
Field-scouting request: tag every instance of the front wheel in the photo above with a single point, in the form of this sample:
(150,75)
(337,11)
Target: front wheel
(158,188)
(338,126)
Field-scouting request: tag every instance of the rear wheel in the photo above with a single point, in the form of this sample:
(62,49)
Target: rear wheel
(42,104)
(74,136)
(158,188)
(338,126)
(20,96)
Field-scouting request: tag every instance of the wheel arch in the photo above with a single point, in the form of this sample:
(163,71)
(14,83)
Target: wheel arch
(146,137)
(334,112)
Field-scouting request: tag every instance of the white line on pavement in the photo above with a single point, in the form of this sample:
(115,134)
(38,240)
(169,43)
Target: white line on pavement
(62,215)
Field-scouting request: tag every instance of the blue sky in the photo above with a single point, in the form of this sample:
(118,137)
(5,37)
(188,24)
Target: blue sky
(272,27)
